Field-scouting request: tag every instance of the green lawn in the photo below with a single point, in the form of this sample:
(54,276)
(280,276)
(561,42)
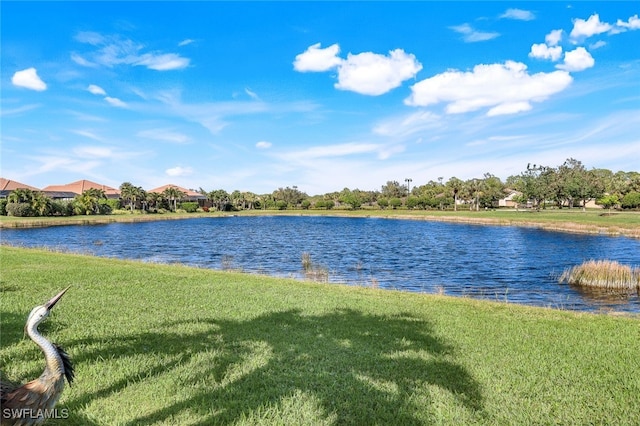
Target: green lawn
(168,344)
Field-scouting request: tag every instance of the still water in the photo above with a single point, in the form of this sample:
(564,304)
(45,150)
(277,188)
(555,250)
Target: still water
(513,264)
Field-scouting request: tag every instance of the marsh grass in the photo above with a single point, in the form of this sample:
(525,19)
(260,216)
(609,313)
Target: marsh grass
(312,271)
(606,274)
(161,344)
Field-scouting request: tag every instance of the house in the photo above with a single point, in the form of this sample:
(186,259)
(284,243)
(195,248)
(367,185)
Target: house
(70,190)
(509,201)
(190,195)
(7,186)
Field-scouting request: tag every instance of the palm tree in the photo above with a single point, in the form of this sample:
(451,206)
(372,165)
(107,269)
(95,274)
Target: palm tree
(89,201)
(456,186)
(173,194)
(41,204)
(21,195)
(130,193)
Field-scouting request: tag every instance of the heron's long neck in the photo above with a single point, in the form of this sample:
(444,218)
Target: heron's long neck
(51,356)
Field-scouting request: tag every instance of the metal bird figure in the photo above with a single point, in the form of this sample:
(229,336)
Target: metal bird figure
(34,402)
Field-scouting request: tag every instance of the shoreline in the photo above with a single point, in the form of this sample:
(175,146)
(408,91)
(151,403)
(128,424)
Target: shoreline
(568,226)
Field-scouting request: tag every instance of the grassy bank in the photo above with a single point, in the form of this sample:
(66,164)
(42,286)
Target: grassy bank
(159,344)
(575,221)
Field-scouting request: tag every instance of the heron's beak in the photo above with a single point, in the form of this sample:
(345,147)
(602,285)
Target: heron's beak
(50,304)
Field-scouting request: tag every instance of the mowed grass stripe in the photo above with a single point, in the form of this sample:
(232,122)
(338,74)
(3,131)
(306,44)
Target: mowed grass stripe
(169,344)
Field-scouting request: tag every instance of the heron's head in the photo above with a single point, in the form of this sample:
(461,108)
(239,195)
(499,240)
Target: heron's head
(39,313)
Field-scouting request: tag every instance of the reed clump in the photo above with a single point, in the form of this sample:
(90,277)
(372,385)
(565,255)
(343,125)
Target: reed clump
(312,271)
(606,274)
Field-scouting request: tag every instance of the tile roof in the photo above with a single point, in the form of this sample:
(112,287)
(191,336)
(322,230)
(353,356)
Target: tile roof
(11,185)
(80,186)
(189,192)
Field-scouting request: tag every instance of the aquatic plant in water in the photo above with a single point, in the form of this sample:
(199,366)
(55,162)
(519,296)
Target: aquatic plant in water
(605,274)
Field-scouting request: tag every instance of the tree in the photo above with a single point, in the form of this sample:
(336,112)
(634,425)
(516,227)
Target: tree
(455,185)
(351,198)
(89,202)
(132,194)
(492,190)
(393,189)
(608,201)
(173,194)
(578,183)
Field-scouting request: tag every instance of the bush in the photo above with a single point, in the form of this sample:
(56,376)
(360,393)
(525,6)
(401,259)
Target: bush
(281,205)
(631,200)
(395,203)
(61,208)
(189,206)
(114,203)
(19,210)
(3,207)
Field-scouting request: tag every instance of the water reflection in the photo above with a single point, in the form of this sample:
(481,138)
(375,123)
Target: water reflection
(512,264)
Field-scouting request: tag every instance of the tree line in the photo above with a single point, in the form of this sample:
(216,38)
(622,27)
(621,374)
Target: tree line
(568,185)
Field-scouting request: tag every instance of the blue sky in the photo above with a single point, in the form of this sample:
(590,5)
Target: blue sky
(259,95)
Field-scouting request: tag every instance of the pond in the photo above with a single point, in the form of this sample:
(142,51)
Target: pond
(514,264)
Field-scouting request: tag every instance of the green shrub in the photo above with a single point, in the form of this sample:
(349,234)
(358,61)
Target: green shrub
(281,205)
(19,210)
(62,208)
(114,203)
(631,200)
(395,202)
(189,206)
(3,207)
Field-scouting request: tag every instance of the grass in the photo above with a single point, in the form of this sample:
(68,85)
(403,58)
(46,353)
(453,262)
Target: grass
(624,223)
(169,344)
(603,274)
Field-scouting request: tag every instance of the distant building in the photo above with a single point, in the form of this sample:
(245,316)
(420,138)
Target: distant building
(190,195)
(509,201)
(70,190)
(7,186)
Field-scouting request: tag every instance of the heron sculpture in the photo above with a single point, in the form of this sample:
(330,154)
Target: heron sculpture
(34,402)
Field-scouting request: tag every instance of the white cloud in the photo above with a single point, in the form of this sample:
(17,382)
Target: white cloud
(366,73)
(597,45)
(504,88)
(471,35)
(90,37)
(588,28)
(93,152)
(87,134)
(331,151)
(96,90)
(518,14)
(263,145)
(542,51)
(28,79)
(179,171)
(251,94)
(186,42)
(577,60)
(553,38)
(115,102)
(75,57)
(317,59)
(162,62)
(373,74)
(164,135)
(633,23)
(115,50)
